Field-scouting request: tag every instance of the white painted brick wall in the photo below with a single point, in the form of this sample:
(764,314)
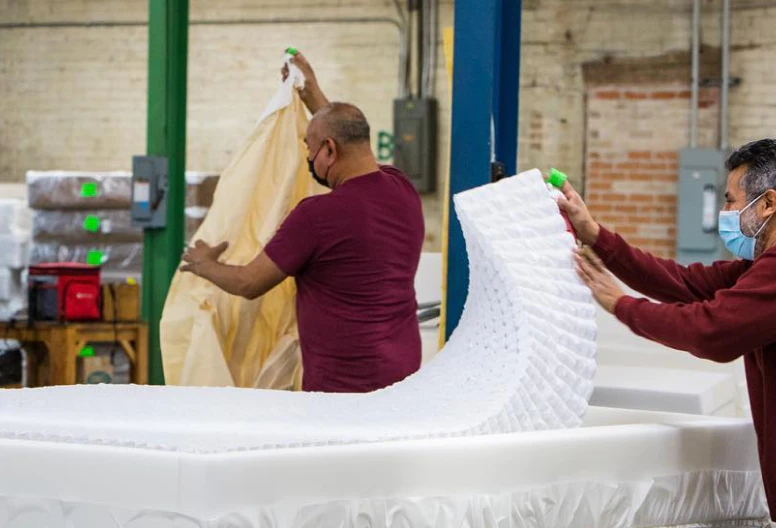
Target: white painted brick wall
(75,98)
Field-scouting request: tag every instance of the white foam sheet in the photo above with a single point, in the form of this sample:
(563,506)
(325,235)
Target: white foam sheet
(623,469)
(520,360)
(663,389)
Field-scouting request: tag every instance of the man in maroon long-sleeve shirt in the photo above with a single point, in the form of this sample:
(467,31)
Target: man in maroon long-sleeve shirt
(718,312)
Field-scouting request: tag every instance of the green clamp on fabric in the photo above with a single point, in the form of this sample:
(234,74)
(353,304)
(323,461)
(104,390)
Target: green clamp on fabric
(92,223)
(95,258)
(292,51)
(557,178)
(89,190)
(87,351)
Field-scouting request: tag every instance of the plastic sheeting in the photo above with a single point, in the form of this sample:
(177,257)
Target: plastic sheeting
(668,501)
(211,338)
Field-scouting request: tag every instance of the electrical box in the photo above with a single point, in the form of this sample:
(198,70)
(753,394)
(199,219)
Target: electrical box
(149,191)
(700,192)
(415,141)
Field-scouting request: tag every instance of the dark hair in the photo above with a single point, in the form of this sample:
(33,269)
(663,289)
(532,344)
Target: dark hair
(759,158)
(345,123)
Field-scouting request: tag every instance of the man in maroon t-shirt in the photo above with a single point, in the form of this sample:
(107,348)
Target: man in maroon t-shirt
(354,253)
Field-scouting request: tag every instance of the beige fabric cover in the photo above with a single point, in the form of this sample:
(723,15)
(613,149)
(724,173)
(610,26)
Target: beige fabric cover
(209,337)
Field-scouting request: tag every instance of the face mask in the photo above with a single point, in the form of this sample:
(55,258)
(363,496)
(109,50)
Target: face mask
(734,239)
(311,168)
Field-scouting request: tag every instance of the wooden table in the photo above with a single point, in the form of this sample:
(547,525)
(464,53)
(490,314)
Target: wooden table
(64,341)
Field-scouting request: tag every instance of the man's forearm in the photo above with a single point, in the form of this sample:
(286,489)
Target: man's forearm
(229,278)
(313,97)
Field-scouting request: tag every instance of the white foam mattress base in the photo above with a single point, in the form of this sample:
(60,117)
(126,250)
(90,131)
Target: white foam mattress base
(662,389)
(622,469)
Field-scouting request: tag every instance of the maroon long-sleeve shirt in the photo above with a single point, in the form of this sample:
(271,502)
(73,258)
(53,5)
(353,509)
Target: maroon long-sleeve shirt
(719,312)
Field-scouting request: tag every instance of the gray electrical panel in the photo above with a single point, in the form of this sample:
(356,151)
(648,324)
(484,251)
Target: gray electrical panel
(149,191)
(415,141)
(700,192)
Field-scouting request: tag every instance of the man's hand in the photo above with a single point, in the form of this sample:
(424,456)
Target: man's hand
(594,273)
(300,62)
(200,255)
(311,94)
(572,204)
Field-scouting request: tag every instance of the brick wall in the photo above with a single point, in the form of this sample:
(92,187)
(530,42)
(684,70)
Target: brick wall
(633,136)
(74,98)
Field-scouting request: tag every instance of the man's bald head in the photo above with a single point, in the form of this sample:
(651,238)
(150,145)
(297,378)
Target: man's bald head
(343,122)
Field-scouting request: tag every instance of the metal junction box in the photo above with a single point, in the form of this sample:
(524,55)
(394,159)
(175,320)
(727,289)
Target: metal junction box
(700,192)
(149,191)
(415,141)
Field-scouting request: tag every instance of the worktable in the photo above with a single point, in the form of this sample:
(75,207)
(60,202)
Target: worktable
(64,341)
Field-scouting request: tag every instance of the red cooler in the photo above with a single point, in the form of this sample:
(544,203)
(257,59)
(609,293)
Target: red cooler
(64,291)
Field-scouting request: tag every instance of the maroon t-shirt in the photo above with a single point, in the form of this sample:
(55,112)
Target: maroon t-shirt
(354,253)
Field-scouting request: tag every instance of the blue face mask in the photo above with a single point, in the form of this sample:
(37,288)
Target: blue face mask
(734,239)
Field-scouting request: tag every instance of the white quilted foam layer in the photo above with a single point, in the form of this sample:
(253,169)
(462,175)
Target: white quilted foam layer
(521,359)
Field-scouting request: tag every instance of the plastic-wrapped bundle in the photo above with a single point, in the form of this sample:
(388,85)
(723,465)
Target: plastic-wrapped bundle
(125,257)
(521,359)
(79,190)
(11,284)
(200,188)
(14,216)
(12,307)
(194,218)
(14,250)
(85,227)
(57,190)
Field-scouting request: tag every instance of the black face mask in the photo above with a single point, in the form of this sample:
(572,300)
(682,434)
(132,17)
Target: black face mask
(311,168)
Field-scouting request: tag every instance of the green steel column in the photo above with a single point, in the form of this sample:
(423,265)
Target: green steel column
(168,25)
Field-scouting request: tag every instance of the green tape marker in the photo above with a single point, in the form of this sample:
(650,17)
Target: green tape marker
(86,351)
(89,190)
(91,223)
(292,50)
(95,258)
(557,178)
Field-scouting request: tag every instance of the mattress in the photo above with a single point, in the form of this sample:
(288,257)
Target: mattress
(487,434)
(623,468)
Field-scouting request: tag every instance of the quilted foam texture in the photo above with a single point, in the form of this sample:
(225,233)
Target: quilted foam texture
(521,359)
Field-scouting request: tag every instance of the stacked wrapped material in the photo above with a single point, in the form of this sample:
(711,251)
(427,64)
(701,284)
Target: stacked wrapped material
(15,226)
(85,217)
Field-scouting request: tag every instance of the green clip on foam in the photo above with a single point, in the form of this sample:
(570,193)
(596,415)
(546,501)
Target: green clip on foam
(95,258)
(557,178)
(91,223)
(292,51)
(89,190)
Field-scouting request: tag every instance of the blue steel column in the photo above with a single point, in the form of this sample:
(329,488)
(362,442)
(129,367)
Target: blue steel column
(486,75)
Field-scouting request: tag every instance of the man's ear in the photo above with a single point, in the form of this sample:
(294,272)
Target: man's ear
(332,146)
(770,202)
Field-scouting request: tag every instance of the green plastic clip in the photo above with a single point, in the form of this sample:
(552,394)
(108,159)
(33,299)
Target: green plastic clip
(89,190)
(87,351)
(557,178)
(291,50)
(92,223)
(95,258)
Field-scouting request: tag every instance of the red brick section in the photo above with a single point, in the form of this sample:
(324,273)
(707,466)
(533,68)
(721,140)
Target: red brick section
(633,139)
